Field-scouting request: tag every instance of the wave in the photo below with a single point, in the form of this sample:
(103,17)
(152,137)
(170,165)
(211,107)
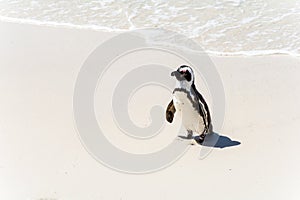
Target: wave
(227,28)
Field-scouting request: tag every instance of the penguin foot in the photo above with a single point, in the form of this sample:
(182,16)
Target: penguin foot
(190,134)
(200,139)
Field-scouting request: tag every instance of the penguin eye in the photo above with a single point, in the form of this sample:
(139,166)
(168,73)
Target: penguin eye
(182,71)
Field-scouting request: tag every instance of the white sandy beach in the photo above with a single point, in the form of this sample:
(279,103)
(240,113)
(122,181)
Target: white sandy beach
(41,156)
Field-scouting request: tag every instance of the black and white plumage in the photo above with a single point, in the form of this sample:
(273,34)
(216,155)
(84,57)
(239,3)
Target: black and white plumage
(189,103)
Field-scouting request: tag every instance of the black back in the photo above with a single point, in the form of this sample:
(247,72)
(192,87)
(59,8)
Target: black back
(207,121)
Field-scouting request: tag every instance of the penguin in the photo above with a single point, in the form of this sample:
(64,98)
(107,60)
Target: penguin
(190,104)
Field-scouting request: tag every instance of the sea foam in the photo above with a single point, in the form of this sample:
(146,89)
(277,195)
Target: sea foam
(228,27)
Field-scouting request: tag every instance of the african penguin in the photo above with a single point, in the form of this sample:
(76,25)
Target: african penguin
(190,104)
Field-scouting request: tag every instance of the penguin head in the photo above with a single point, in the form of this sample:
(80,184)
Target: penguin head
(184,73)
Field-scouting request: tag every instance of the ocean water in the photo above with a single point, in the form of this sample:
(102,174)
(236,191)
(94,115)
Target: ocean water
(228,27)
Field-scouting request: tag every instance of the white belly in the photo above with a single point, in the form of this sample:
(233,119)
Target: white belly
(191,119)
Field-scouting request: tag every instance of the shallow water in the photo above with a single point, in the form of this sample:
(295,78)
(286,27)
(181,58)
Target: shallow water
(229,27)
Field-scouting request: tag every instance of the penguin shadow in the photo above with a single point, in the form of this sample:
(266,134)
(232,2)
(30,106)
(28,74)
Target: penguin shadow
(215,140)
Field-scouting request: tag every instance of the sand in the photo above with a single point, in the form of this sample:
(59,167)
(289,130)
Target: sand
(41,156)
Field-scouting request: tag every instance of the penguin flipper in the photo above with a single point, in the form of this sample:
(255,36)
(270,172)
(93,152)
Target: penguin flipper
(170,112)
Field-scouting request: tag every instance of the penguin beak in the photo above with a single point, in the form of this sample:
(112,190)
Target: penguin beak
(177,75)
(173,73)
